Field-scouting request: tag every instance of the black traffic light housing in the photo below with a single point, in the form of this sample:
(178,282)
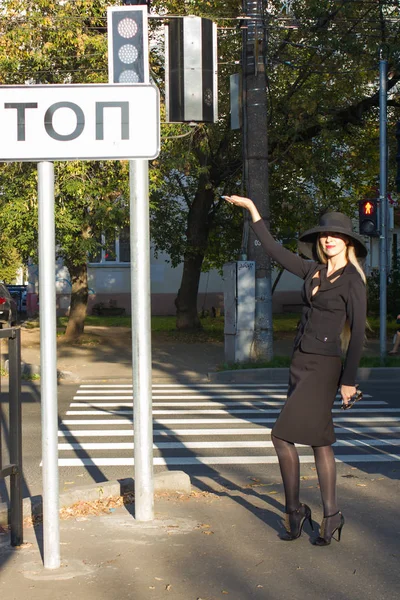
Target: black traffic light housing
(368,217)
(137,3)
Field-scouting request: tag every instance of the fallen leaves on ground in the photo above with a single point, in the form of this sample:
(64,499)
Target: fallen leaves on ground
(205,527)
(86,508)
(258,484)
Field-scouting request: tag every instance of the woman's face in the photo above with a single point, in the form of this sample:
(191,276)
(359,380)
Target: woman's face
(333,244)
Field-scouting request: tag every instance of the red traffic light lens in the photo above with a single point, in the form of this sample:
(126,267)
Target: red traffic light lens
(368,208)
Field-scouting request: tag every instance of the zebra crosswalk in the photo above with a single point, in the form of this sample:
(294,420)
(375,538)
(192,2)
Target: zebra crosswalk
(212,424)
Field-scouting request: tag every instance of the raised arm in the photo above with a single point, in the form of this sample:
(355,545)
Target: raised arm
(289,260)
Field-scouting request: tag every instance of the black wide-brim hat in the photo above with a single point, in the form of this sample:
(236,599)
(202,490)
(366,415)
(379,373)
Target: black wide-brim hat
(332,222)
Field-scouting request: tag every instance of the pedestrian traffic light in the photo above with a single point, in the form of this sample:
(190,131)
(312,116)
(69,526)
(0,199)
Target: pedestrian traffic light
(368,217)
(128,60)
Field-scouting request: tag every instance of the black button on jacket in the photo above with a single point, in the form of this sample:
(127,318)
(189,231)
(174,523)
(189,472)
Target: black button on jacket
(341,297)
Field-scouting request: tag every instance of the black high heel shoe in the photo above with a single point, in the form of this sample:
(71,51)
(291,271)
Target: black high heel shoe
(294,522)
(325,537)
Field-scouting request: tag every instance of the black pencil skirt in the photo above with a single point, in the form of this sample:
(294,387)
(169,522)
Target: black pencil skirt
(306,417)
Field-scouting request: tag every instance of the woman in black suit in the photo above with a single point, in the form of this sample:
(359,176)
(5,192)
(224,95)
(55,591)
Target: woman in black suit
(333,319)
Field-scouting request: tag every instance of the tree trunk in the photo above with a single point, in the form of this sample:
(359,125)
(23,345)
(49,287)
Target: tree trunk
(186,301)
(79,300)
(197,239)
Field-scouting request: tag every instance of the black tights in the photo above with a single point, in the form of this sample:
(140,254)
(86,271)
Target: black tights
(290,470)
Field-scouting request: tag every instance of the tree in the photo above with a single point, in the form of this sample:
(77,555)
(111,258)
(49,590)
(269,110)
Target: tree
(197,165)
(322,69)
(10,260)
(55,42)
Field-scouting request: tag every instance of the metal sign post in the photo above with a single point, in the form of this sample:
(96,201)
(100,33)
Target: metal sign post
(141,339)
(128,61)
(98,122)
(48,365)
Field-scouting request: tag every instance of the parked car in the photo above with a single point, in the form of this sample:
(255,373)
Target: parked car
(19,293)
(8,308)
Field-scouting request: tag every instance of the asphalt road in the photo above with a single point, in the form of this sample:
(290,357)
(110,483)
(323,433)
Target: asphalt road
(210,432)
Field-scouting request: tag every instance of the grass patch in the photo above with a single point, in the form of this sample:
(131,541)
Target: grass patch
(374,324)
(375,361)
(31,323)
(96,321)
(164,328)
(285,325)
(279,362)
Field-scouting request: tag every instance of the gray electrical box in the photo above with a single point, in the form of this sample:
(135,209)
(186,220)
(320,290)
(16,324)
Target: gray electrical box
(239,308)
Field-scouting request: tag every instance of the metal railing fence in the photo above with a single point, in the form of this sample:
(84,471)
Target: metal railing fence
(14,469)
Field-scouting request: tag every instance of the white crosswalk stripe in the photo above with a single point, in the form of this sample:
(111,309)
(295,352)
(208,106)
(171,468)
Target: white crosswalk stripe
(235,429)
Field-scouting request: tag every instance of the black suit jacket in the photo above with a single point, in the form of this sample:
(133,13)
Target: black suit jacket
(340,297)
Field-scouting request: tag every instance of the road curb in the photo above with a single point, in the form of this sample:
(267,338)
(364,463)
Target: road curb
(168,481)
(282,375)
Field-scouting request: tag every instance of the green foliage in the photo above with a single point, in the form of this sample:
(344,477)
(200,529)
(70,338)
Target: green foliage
(9,260)
(393,292)
(46,41)
(323,126)
(279,362)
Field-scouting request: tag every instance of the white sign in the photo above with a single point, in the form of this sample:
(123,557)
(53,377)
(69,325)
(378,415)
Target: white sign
(74,122)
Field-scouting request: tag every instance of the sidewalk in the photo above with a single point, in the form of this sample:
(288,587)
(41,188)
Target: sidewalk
(107,354)
(219,542)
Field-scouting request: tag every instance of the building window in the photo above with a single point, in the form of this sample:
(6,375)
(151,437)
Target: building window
(116,248)
(124,245)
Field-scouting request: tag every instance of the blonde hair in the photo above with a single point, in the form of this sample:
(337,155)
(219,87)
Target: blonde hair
(352,258)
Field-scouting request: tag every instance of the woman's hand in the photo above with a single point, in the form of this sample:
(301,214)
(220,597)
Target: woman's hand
(244,203)
(347,391)
(239,201)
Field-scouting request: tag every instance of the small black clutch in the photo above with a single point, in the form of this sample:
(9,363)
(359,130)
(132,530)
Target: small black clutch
(354,398)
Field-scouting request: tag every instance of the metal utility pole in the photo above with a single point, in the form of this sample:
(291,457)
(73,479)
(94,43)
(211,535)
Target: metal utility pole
(384,204)
(255,158)
(48,365)
(125,24)
(141,339)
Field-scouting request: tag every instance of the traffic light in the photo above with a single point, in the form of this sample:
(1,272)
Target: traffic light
(128,54)
(368,217)
(191,70)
